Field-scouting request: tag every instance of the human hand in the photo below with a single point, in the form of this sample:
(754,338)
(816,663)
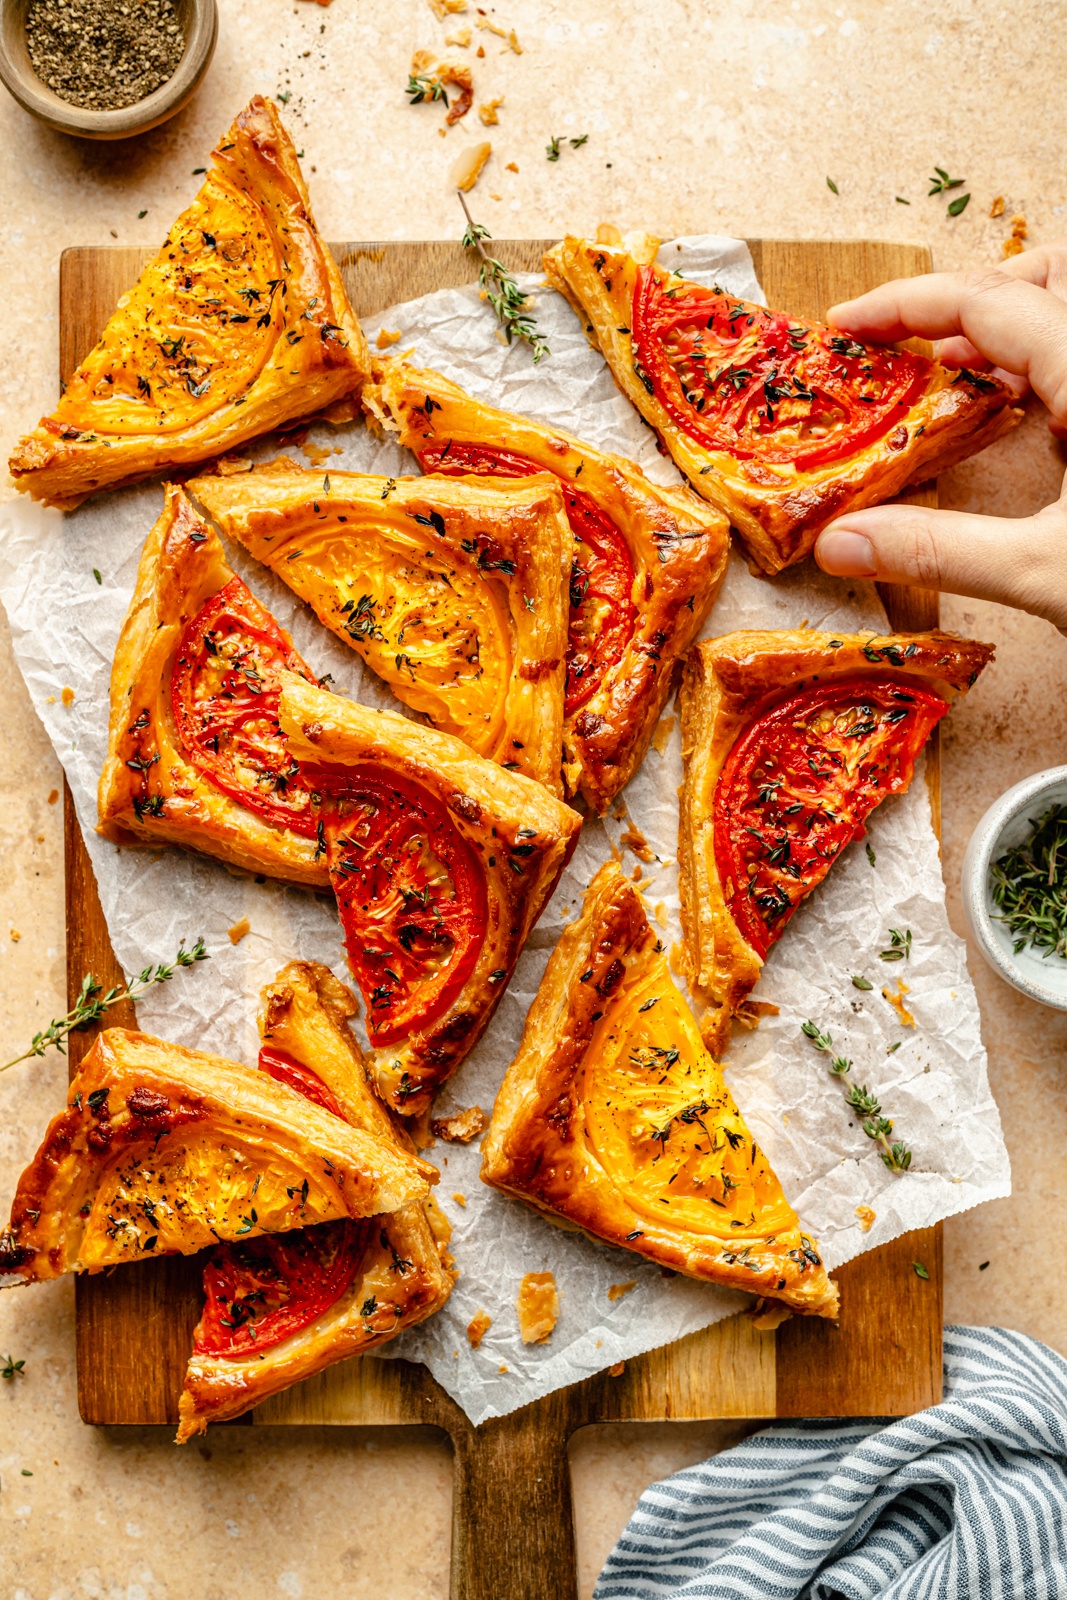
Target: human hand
(1011,318)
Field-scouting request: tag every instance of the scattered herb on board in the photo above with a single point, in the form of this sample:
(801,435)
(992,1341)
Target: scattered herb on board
(501,290)
(1029,885)
(919,1270)
(958,205)
(100,55)
(899,946)
(942,183)
(860,982)
(871,857)
(420,89)
(901,200)
(832,186)
(92,1003)
(897,1156)
(554,145)
(12,1369)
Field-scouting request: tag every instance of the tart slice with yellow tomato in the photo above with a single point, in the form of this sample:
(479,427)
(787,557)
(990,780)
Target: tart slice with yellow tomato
(614,1118)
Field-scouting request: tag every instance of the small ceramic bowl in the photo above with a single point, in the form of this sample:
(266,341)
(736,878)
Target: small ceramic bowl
(200,24)
(1007,823)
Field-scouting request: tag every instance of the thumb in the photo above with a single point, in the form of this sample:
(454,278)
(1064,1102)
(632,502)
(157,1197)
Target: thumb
(1019,562)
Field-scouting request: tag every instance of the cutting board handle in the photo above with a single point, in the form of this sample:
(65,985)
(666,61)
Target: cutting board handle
(512,1518)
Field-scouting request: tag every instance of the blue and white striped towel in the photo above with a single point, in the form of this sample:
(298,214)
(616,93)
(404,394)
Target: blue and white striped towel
(966,1501)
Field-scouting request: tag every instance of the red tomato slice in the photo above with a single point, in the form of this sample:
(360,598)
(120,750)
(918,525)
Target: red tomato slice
(411,895)
(798,784)
(603,615)
(225,688)
(737,378)
(264,1290)
(279,1064)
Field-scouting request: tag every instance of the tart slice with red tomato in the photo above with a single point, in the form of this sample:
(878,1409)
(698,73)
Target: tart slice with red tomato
(196,756)
(240,324)
(781,422)
(283,1306)
(441,863)
(614,1118)
(646,562)
(453,592)
(790,740)
(162,1150)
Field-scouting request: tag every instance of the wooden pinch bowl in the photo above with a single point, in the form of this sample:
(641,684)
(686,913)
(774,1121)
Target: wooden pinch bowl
(200,25)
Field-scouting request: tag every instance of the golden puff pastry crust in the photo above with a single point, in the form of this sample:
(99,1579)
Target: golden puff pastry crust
(159,780)
(614,1118)
(162,1150)
(780,422)
(441,862)
(789,741)
(453,591)
(287,1307)
(240,324)
(647,562)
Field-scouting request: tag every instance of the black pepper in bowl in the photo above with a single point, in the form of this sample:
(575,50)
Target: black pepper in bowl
(103,55)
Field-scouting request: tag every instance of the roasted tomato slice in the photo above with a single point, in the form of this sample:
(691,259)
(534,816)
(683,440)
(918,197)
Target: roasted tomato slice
(279,1064)
(740,379)
(603,615)
(798,784)
(411,895)
(262,1291)
(225,688)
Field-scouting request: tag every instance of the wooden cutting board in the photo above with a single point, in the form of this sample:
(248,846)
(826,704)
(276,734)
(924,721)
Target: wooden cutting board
(513,1532)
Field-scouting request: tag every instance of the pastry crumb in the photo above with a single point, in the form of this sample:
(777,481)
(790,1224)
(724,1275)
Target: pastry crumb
(239,930)
(386,337)
(229,466)
(488,111)
(1014,245)
(749,1012)
(425,64)
(659,911)
(40,838)
(15,935)
(460,1199)
(617,1290)
(502,1367)
(508,34)
(664,729)
(866,1216)
(512,166)
(997,208)
(53,796)
(633,839)
(67,697)
(477,1328)
(481,50)
(317,453)
(537,1306)
(460,36)
(468,169)
(616,1369)
(444,8)
(896,1000)
(769,1314)
(440,1226)
(461,1127)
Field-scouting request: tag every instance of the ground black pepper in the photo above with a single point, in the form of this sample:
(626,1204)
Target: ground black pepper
(103,55)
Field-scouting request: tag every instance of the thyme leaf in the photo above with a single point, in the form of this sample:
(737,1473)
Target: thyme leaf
(502,292)
(429,89)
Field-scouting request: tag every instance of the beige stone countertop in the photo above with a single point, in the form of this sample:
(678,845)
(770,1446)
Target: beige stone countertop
(726,117)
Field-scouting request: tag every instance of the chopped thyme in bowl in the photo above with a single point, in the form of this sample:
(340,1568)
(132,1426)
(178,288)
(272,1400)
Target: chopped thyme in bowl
(1029,885)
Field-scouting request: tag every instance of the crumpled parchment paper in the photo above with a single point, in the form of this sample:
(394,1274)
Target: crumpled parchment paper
(934,1085)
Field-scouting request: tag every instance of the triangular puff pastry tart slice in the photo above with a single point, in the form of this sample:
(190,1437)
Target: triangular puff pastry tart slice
(614,1117)
(240,324)
(441,863)
(195,754)
(163,1150)
(454,593)
(646,562)
(779,421)
(284,1306)
(790,740)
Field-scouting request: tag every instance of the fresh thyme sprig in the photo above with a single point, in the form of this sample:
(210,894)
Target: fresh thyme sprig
(942,183)
(1029,884)
(420,89)
(12,1369)
(897,1156)
(555,144)
(92,1001)
(501,290)
(899,946)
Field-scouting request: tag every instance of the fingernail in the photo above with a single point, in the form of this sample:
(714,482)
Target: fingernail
(845,554)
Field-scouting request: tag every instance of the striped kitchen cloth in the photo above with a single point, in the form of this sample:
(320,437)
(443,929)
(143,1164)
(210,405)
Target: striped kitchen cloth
(966,1501)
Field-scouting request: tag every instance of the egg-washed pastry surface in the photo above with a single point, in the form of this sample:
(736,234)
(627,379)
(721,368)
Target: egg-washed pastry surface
(441,863)
(164,1150)
(241,323)
(453,592)
(614,1117)
(790,739)
(646,562)
(195,753)
(283,1306)
(779,421)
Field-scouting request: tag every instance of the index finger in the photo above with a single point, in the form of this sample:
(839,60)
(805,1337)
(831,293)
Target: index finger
(1014,323)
